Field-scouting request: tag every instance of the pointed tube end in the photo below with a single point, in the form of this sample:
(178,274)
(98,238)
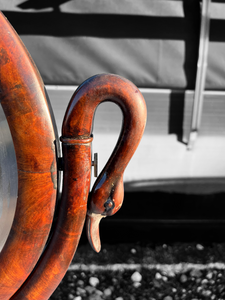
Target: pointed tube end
(92,229)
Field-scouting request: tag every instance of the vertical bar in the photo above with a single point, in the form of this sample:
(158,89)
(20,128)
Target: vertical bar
(201,73)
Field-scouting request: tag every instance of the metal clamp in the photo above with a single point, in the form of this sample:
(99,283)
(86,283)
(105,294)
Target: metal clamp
(94,164)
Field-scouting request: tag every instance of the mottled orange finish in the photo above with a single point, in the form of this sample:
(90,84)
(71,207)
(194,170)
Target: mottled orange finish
(23,100)
(22,95)
(76,141)
(72,212)
(107,194)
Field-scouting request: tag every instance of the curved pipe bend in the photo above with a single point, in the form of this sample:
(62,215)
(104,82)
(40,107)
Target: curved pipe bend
(107,194)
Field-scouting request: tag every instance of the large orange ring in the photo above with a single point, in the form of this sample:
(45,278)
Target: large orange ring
(23,100)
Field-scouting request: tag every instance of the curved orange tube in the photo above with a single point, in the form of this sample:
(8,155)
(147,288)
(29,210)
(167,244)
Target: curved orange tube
(107,194)
(23,100)
(76,141)
(22,275)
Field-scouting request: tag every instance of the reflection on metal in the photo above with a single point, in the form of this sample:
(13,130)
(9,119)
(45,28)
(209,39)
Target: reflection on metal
(8,179)
(201,73)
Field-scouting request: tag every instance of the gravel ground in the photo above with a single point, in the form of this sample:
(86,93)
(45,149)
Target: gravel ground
(146,271)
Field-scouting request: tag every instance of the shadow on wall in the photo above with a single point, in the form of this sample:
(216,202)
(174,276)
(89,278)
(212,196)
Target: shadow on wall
(41,4)
(176,115)
(62,24)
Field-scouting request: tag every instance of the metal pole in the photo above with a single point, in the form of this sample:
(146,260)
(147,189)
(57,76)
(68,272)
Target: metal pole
(201,73)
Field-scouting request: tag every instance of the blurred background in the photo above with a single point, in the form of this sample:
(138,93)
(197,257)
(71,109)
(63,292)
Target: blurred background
(174,51)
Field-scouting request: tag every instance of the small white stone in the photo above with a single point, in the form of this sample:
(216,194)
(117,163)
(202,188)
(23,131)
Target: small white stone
(206,293)
(183,278)
(114,280)
(119,298)
(209,275)
(168,298)
(204,281)
(170,273)
(156,283)
(158,276)
(136,277)
(94,281)
(80,282)
(107,292)
(98,292)
(136,284)
(71,284)
(133,251)
(77,298)
(199,247)
(90,289)
(81,291)
(195,273)
(174,290)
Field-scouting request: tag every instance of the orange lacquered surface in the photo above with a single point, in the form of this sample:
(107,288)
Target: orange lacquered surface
(25,106)
(76,144)
(23,100)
